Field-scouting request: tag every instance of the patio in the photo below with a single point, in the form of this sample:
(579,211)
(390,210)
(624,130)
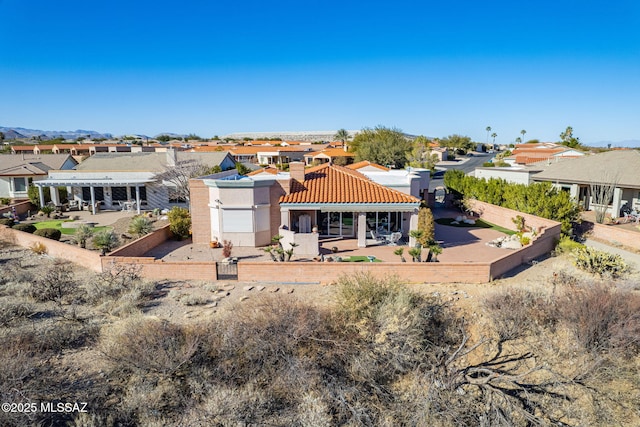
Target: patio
(460,244)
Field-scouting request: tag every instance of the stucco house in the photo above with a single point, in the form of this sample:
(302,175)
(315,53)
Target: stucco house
(19,171)
(118,180)
(618,168)
(322,201)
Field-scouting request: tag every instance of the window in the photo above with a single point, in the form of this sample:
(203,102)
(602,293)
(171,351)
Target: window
(336,223)
(20,184)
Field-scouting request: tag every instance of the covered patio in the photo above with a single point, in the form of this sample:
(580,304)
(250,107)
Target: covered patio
(114,193)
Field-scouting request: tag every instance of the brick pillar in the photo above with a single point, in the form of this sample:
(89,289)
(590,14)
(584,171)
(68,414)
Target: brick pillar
(200,214)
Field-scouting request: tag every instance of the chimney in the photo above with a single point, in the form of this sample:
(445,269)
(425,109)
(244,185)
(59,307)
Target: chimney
(296,171)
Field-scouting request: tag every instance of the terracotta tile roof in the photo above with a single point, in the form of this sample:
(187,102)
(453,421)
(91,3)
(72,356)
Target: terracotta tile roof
(331,152)
(208,148)
(365,163)
(336,184)
(255,150)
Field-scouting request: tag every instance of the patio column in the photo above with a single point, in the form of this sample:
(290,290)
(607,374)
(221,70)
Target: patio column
(617,202)
(284,218)
(362,229)
(138,199)
(55,195)
(41,195)
(93,199)
(413,225)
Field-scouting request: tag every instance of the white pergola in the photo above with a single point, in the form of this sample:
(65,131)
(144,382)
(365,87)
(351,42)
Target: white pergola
(92,183)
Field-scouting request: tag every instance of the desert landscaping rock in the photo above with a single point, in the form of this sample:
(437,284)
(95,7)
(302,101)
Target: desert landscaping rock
(260,288)
(274,289)
(247,288)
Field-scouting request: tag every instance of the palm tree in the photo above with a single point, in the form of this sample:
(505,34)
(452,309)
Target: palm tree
(342,135)
(493,135)
(488,129)
(523,132)
(518,140)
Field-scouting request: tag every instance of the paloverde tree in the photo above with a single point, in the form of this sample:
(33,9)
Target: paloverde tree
(421,156)
(382,145)
(342,135)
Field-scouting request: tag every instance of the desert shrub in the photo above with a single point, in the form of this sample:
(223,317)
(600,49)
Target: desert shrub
(38,248)
(179,222)
(27,228)
(58,284)
(599,262)
(603,318)
(115,279)
(9,222)
(517,312)
(106,241)
(11,309)
(149,346)
(49,233)
(567,245)
(140,225)
(82,235)
(191,299)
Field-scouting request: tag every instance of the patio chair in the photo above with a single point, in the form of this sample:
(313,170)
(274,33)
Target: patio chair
(395,238)
(375,236)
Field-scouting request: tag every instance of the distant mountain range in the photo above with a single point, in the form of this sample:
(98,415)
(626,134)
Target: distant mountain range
(17,133)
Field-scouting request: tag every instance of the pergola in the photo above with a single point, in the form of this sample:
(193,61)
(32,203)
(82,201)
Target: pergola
(92,183)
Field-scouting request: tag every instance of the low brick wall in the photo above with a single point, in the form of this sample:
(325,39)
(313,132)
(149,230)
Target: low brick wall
(615,235)
(84,257)
(22,208)
(158,269)
(326,272)
(144,244)
(503,216)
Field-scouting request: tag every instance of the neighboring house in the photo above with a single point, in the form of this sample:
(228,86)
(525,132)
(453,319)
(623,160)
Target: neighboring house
(111,180)
(618,168)
(515,174)
(18,171)
(329,155)
(322,201)
(265,155)
(527,154)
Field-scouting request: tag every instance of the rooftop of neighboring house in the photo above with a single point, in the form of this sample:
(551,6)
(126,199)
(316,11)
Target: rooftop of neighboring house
(368,165)
(240,150)
(336,184)
(619,166)
(33,164)
(151,161)
(331,152)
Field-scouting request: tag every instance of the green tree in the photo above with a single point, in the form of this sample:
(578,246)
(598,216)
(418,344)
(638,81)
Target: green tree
(163,138)
(523,132)
(342,135)
(382,145)
(242,169)
(494,135)
(568,139)
(488,129)
(457,142)
(421,156)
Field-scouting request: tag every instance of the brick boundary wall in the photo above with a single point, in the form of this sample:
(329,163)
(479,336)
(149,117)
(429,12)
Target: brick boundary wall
(615,235)
(144,244)
(151,268)
(327,272)
(21,208)
(56,249)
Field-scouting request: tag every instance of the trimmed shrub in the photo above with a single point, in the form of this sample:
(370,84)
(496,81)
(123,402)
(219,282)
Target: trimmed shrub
(7,221)
(179,222)
(27,228)
(567,245)
(49,233)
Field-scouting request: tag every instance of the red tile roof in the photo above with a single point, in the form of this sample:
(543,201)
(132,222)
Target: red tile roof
(366,163)
(336,184)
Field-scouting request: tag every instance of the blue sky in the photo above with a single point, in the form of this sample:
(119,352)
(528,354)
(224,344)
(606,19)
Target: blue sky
(431,68)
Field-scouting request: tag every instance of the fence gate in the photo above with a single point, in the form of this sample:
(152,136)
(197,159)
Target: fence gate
(227,271)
